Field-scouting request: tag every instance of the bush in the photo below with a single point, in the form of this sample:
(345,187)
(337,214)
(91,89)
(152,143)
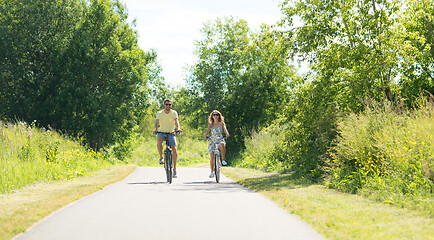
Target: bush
(260,147)
(29,155)
(386,153)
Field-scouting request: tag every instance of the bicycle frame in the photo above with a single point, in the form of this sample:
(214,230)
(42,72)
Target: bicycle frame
(168,156)
(217,162)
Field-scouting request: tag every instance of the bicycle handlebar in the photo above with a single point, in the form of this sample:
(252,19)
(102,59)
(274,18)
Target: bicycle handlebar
(175,132)
(210,137)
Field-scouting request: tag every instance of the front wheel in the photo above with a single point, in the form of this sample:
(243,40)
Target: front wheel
(217,167)
(168,165)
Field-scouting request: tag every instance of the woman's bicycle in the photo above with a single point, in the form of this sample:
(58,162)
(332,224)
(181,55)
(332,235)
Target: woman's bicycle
(217,162)
(168,156)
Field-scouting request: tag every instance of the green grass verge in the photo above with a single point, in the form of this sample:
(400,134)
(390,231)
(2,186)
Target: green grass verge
(24,207)
(334,214)
(191,152)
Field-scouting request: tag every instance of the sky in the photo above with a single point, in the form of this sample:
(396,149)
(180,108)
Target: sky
(170,27)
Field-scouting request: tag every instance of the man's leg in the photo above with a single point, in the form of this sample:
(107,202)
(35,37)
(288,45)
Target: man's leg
(174,156)
(160,148)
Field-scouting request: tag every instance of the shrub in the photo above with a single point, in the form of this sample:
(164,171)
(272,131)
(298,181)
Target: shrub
(260,147)
(386,153)
(30,155)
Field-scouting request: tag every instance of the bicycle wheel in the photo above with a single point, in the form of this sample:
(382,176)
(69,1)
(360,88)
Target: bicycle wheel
(217,166)
(169,165)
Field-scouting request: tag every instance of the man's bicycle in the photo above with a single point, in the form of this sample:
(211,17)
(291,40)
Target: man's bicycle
(217,161)
(168,156)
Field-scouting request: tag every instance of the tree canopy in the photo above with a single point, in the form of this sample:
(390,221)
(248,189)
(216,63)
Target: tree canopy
(74,66)
(241,73)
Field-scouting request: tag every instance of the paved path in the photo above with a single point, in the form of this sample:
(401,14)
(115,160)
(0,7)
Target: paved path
(139,206)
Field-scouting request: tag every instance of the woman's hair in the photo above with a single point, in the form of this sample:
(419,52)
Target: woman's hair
(211,119)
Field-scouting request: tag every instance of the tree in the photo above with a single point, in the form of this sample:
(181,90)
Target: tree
(414,38)
(347,43)
(74,66)
(32,39)
(244,75)
(349,47)
(105,77)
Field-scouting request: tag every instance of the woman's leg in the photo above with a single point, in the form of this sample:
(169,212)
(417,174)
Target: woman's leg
(211,163)
(222,148)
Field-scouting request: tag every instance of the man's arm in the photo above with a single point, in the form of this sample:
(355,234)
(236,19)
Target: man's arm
(157,121)
(177,125)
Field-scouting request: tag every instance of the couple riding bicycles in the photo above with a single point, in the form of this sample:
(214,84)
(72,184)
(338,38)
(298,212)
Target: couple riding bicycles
(165,123)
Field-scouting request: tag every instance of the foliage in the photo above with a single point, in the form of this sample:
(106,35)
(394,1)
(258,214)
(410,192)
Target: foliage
(356,49)
(244,75)
(386,153)
(310,126)
(260,148)
(191,150)
(75,66)
(415,40)
(347,43)
(29,155)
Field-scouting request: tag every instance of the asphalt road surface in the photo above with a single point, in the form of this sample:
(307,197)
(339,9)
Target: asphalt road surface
(144,206)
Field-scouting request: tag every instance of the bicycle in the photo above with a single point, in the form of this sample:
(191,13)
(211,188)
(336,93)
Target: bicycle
(217,162)
(168,156)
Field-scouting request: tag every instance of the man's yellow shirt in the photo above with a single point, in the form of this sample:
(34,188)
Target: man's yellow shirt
(167,120)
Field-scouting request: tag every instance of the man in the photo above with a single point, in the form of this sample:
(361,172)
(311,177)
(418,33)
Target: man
(166,121)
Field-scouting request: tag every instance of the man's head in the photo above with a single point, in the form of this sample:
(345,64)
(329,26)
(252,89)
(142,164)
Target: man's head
(167,104)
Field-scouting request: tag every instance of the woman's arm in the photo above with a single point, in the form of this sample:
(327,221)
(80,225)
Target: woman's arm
(207,130)
(226,131)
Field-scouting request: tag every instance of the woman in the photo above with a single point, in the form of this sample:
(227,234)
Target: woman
(217,126)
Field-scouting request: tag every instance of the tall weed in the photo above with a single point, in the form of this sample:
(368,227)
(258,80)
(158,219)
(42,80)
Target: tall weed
(29,155)
(386,153)
(260,147)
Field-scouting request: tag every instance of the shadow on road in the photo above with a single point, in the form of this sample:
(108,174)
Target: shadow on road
(212,187)
(205,186)
(275,182)
(146,183)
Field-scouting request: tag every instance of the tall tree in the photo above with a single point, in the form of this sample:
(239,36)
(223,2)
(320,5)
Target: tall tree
(73,65)
(104,77)
(243,74)
(32,38)
(347,43)
(414,37)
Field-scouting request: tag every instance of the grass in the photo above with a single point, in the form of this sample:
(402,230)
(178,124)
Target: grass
(24,207)
(30,155)
(191,152)
(386,154)
(334,214)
